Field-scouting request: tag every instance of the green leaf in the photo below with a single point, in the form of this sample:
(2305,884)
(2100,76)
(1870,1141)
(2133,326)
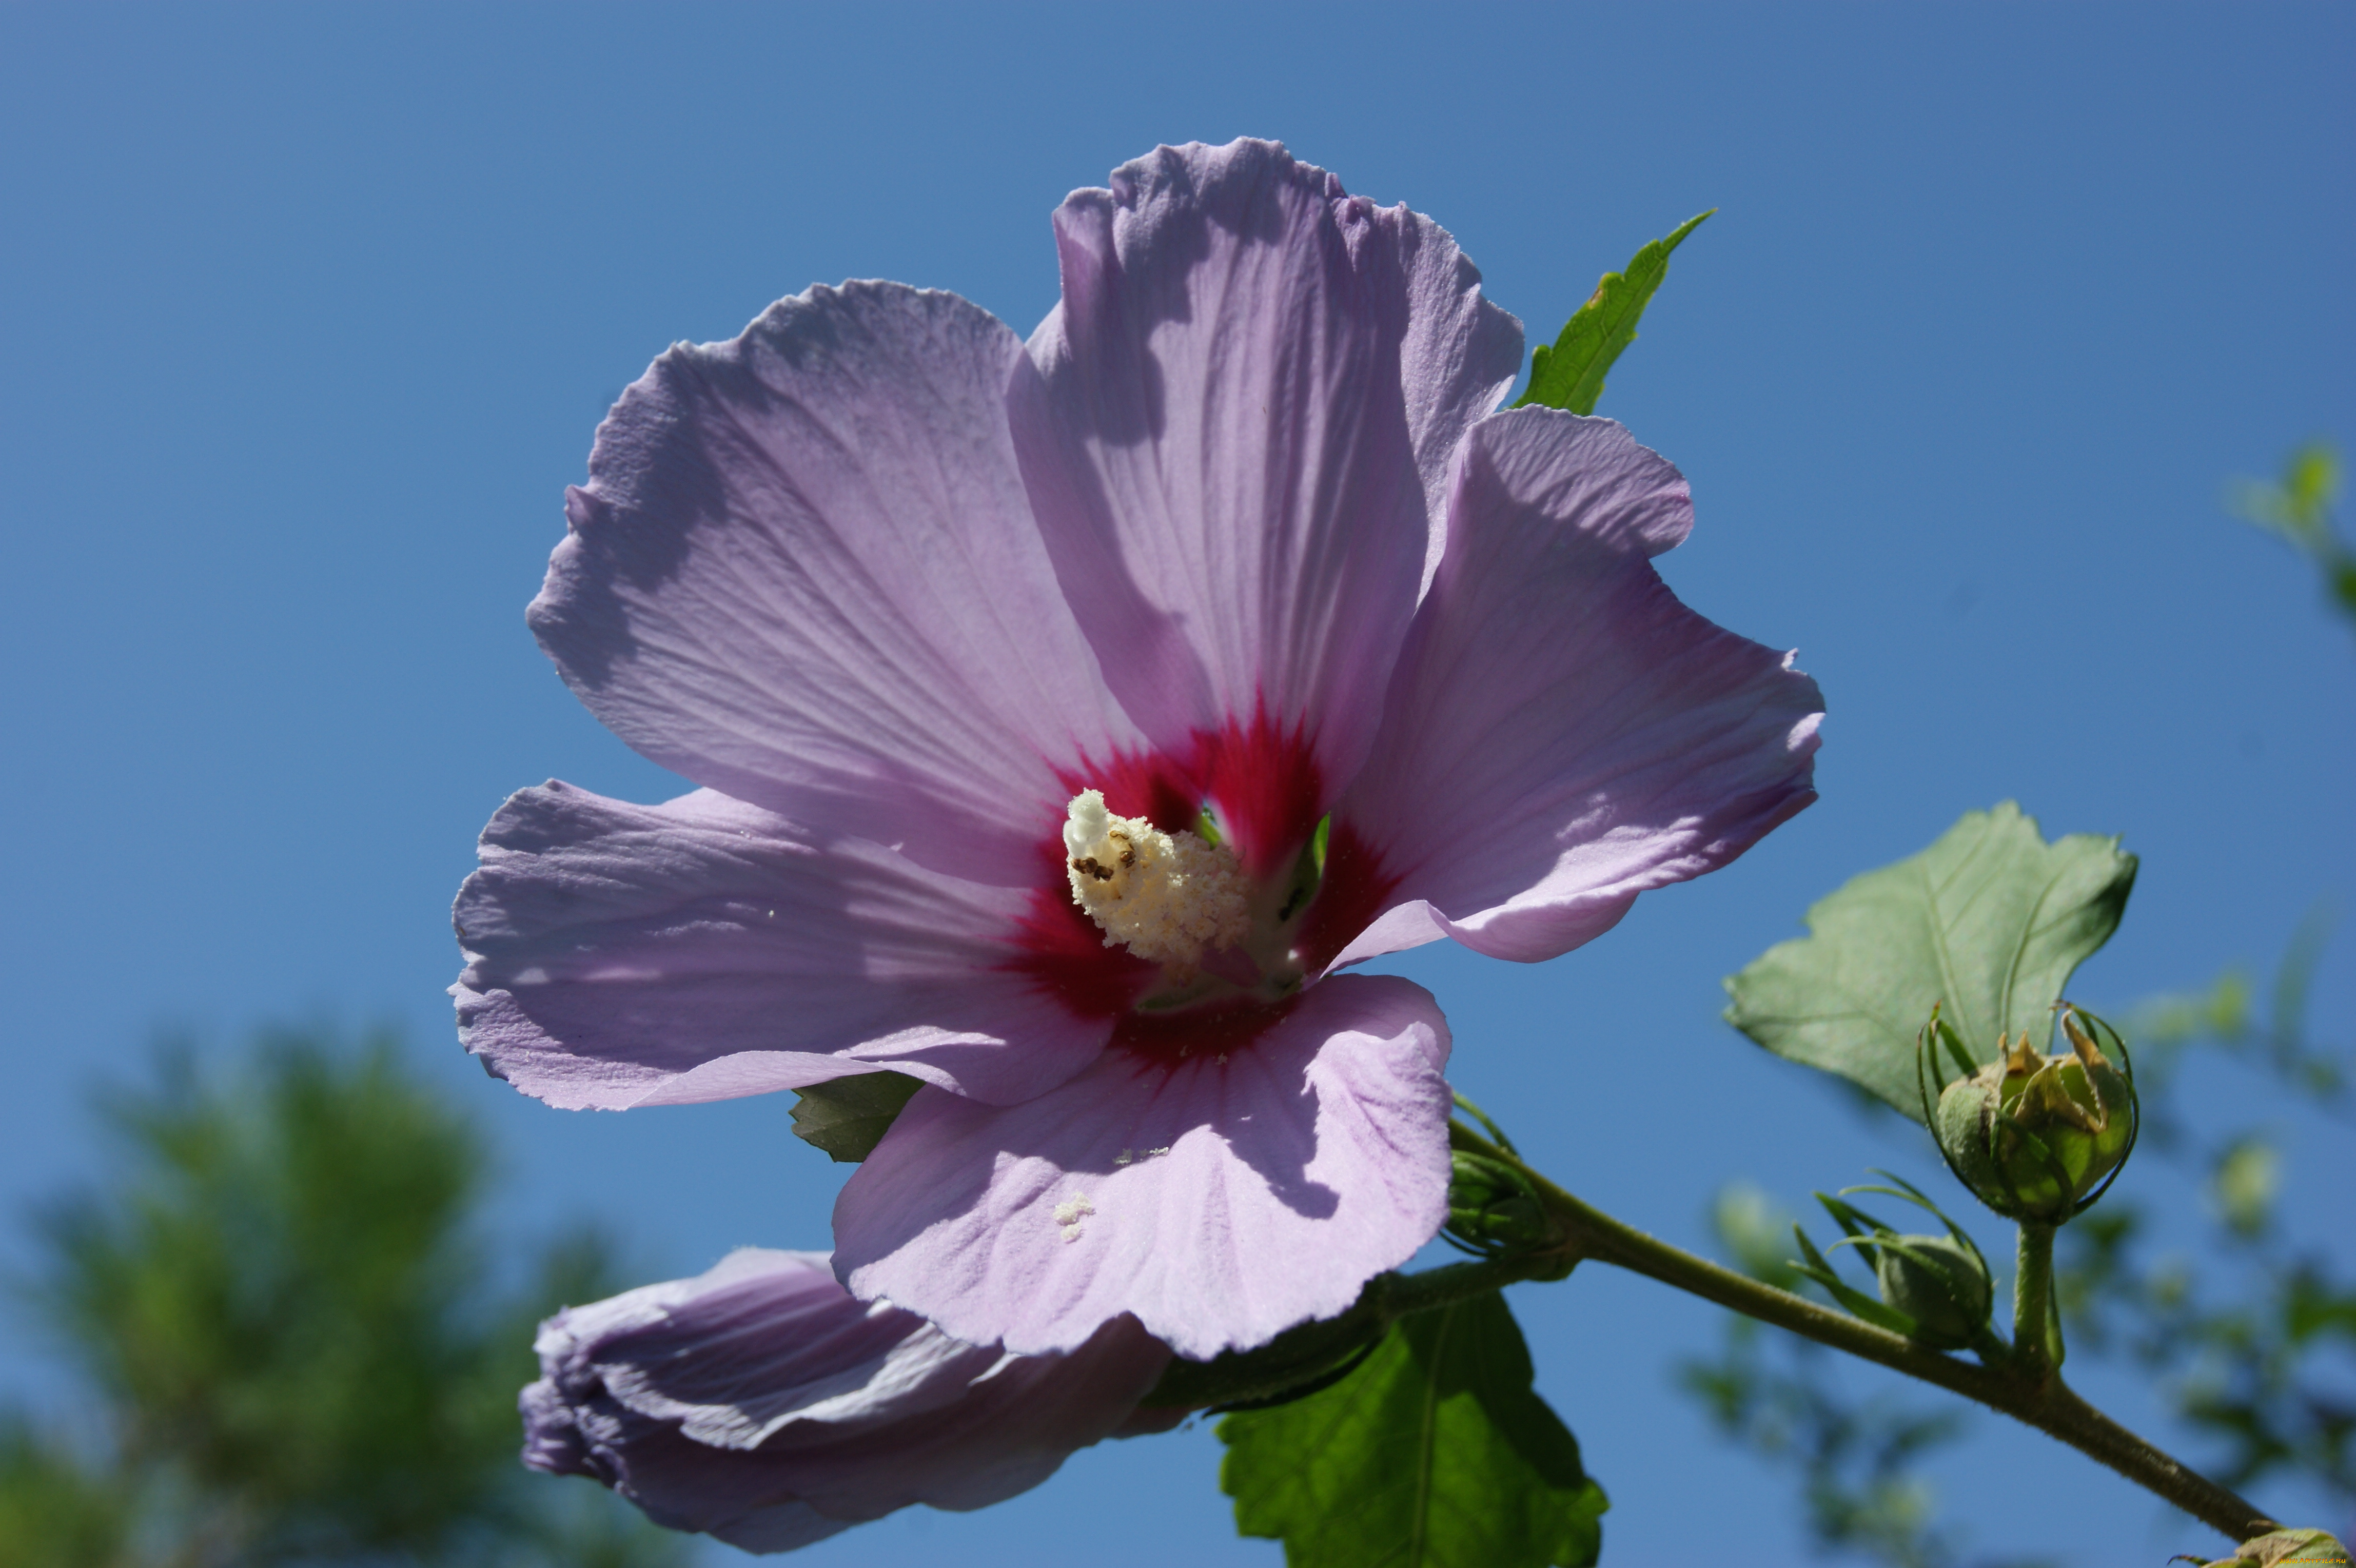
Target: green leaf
(1435,1454)
(1988,923)
(848,1117)
(1570,374)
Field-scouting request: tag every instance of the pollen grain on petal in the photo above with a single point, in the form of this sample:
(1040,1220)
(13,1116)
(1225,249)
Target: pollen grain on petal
(1168,897)
(1070,1212)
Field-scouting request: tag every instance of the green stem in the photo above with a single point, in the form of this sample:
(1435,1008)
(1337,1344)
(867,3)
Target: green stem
(2036,1329)
(2045,1403)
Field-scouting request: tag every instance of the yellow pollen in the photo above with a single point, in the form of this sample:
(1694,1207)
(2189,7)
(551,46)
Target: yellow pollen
(1169,897)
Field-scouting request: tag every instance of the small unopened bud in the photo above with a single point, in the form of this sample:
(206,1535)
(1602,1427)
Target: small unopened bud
(1491,1208)
(2036,1137)
(1933,1289)
(1940,1285)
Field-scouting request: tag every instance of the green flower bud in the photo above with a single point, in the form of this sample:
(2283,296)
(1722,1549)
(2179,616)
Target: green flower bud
(1934,1289)
(2036,1137)
(1492,1210)
(1940,1285)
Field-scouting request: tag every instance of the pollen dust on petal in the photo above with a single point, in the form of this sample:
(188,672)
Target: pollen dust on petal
(1071,1211)
(1169,897)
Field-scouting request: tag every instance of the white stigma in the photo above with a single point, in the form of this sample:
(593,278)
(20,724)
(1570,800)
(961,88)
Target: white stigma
(1169,897)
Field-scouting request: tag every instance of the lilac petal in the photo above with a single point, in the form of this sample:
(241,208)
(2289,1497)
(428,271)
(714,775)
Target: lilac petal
(623,955)
(759,1343)
(1237,433)
(1221,1196)
(1563,734)
(804,571)
(760,1402)
(1008,1430)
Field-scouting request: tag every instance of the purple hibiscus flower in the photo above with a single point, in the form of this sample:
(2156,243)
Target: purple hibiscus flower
(1068,713)
(762,1403)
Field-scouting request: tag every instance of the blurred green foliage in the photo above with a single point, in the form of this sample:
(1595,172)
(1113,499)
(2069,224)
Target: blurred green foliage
(2252,1340)
(55,1511)
(298,1345)
(2298,508)
(2224,1017)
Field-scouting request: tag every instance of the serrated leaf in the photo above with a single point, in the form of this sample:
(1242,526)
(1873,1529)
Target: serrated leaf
(848,1117)
(1570,374)
(1435,1454)
(1988,923)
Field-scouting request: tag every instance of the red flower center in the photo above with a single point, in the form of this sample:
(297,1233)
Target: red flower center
(1257,790)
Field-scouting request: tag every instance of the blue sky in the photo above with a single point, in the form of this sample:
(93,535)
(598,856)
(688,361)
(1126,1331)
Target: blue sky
(308,315)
